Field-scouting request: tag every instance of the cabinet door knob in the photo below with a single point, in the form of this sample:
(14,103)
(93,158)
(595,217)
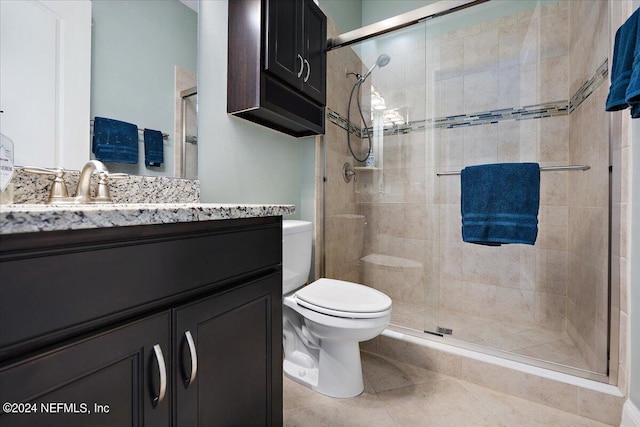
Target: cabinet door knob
(302,61)
(194,359)
(308,71)
(162,368)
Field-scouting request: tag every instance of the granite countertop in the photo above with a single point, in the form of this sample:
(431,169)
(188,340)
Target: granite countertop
(28,218)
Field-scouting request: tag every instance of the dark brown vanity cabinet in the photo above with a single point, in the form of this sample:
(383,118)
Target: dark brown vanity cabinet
(277,64)
(181,327)
(234,344)
(108,379)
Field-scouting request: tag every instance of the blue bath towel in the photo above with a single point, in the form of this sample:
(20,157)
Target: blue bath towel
(499,203)
(115,141)
(625,70)
(153,147)
(633,90)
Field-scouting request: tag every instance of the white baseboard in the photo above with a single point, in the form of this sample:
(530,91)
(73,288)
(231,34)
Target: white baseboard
(630,415)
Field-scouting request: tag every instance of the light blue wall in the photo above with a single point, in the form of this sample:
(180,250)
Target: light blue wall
(239,161)
(347,14)
(307,179)
(376,10)
(135,48)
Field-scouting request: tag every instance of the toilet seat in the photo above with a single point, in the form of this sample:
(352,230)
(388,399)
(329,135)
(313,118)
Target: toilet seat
(343,299)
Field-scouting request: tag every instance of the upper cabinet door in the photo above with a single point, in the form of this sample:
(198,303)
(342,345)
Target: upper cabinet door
(276,77)
(285,51)
(315,54)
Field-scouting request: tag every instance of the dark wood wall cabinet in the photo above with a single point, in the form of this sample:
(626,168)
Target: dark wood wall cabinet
(277,64)
(159,325)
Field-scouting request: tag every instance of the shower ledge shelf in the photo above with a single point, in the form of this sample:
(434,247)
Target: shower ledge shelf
(392,262)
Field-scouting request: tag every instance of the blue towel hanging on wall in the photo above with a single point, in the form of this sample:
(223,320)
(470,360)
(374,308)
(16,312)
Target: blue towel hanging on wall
(625,70)
(153,147)
(499,203)
(115,141)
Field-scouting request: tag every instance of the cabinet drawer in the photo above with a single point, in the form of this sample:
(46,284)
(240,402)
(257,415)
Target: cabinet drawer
(74,287)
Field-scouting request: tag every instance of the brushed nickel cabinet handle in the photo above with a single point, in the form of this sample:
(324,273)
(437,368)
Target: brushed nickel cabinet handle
(301,65)
(194,359)
(162,368)
(308,71)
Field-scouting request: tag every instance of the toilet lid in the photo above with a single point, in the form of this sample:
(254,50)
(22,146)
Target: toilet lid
(338,297)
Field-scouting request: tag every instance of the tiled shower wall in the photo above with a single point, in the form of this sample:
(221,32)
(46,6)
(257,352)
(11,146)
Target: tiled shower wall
(587,291)
(621,139)
(529,54)
(486,74)
(343,225)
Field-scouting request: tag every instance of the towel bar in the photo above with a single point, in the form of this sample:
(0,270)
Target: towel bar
(164,135)
(542,169)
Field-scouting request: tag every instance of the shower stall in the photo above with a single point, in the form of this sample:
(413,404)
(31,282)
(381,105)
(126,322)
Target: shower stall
(492,82)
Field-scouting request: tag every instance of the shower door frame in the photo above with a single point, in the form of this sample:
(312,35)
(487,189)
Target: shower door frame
(442,8)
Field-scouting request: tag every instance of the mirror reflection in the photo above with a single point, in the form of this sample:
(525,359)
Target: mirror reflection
(144,60)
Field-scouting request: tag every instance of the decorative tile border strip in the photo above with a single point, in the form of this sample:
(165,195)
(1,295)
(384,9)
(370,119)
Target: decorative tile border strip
(342,122)
(539,111)
(590,86)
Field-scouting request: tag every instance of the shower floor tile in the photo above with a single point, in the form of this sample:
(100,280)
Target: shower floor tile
(526,340)
(399,394)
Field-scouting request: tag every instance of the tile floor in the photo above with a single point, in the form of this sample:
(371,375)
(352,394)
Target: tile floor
(528,340)
(399,394)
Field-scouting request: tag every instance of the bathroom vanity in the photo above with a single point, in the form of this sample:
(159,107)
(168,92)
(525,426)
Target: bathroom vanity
(159,324)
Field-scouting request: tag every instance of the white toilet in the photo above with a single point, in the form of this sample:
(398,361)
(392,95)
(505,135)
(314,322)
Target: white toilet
(324,321)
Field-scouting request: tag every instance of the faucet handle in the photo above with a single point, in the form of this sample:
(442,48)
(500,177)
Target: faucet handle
(102,194)
(59,188)
(117,175)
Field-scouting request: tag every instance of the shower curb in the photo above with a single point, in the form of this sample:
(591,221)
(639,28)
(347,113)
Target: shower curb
(583,397)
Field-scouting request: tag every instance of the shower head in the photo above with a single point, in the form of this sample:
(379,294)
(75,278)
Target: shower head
(382,61)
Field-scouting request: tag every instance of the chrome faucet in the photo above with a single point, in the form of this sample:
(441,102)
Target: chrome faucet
(59,193)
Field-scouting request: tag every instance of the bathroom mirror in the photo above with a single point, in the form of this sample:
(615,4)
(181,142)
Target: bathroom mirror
(125,60)
(143,59)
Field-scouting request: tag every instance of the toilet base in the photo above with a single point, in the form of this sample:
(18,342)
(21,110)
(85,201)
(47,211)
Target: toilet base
(336,373)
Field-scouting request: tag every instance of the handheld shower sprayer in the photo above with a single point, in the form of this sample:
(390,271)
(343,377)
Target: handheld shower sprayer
(382,61)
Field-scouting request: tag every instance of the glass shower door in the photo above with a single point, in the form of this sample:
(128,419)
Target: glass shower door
(488,84)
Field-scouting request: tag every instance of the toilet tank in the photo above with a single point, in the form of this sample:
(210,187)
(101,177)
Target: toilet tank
(297,237)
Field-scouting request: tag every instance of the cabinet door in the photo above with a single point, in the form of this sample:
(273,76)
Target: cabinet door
(237,348)
(315,54)
(284,56)
(106,380)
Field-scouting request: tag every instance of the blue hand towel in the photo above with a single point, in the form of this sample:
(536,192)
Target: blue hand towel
(625,70)
(499,203)
(153,147)
(633,90)
(115,141)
